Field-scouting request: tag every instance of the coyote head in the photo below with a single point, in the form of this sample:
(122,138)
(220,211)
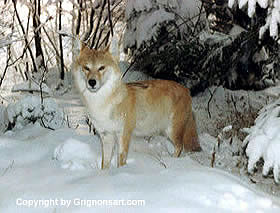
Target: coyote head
(98,67)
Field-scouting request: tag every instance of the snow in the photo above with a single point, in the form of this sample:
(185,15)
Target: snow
(3,119)
(75,155)
(30,86)
(48,171)
(44,169)
(41,170)
(273,14)
(264,140)
(7,41)
(31,175)
(137,6)
(30,109)
(147,26)
(144,18)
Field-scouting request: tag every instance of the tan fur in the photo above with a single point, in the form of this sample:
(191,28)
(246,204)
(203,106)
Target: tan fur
(120,110)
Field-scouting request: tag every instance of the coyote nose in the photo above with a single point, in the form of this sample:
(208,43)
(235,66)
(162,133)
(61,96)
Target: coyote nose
(92,82)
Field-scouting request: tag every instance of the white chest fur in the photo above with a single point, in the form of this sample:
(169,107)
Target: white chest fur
(101,108)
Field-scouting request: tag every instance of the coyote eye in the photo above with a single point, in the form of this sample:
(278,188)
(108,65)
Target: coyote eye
(101,68)
(86,69)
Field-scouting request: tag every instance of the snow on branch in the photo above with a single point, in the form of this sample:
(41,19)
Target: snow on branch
(148,25)
(6,42)
(145,18)
(273,13)
(134,6)
(263,141)
(29,109)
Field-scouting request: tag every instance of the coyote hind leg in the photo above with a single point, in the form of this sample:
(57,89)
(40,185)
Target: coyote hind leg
(183,133)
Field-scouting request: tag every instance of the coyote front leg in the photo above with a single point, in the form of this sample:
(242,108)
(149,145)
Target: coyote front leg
(125,138)
(108,144)
(124,146)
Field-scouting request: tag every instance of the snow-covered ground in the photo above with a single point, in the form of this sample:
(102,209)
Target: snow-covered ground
(224,119)
(43,170)
(55,171)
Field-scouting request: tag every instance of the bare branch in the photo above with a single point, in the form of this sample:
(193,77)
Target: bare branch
(60,42)
(98,24)
(37,34)
(80,2)
(91,23)
(7,64)
(213,158)
(208,104)
(106,38)
(25,37)
(110,19)
(51,42)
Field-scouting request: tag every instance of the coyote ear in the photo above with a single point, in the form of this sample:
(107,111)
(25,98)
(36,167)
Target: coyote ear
(83,46)
(107,49)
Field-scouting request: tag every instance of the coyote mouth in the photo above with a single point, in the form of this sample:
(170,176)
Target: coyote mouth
(92,89)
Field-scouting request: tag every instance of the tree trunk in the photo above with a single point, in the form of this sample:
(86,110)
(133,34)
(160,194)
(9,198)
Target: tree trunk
(60,43)
(25,36)
(98,24)
(78,26)
(91,24)
(37,35)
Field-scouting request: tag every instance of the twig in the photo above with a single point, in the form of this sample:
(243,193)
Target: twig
(91,23)
(110,18)
(9,57)
(208,104)
(106,38)
(25,37)
(36,9)
(7,64)
(213,157)
(60,42)
(219,142)
(42,99)
(234,103)
(198,19)
(23,52)
(91,127)
(41,86)
(80,2)
(182,18)
(158,157)
(98,24)
(138,52)
(51,42)
(4,99)
(100,34)
(68,123)
(8,168)
(44,125)
(49,55)
(27,24)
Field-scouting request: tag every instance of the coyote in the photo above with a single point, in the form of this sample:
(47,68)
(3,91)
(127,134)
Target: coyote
(144,108)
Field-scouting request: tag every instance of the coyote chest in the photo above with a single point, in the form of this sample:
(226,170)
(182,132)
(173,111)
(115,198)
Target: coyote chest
(102,115)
